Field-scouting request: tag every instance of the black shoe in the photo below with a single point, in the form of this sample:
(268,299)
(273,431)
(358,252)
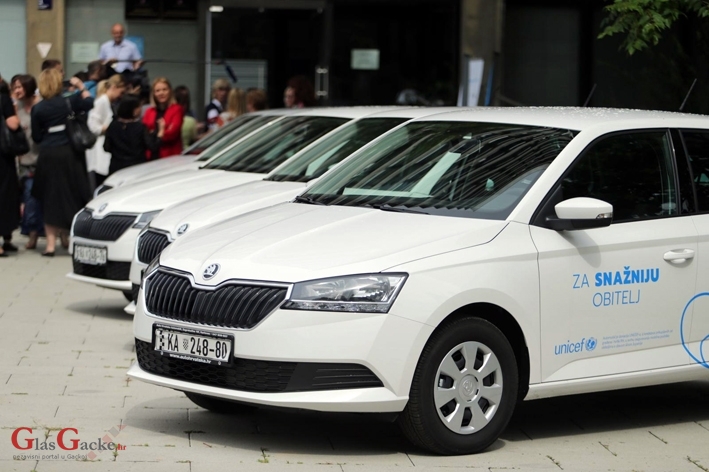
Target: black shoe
(3,254)
(48,254)
(9,247)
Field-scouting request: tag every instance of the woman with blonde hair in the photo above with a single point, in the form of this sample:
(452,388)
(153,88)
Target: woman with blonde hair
(235,106)
(220,91)
(97,160)
(165,108)
(60,182)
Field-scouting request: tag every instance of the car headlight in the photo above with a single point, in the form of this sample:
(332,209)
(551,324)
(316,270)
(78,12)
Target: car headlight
(152,267)
(145,219)
(365,293)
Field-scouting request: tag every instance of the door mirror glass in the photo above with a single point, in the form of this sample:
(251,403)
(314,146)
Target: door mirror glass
(581,213)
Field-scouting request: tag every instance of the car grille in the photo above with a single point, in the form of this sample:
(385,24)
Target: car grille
(109,228)
(135,288)
(109,271)
(150,244)
(257,376)
(231,306)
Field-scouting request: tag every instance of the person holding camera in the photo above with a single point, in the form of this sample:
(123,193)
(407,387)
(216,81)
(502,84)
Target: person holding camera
(61,183)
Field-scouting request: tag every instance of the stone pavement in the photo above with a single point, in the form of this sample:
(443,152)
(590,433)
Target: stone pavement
(66,347)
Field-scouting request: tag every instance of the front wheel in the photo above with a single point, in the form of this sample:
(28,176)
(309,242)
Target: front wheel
(464,389)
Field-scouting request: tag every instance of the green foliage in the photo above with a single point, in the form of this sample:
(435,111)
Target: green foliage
(644,21)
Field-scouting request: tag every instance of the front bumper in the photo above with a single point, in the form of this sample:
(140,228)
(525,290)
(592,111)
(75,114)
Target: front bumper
(388,345)
(116,273)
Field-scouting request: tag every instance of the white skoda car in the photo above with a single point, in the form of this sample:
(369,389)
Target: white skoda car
(281,185)
(196,155)
(458,264)
(104,233)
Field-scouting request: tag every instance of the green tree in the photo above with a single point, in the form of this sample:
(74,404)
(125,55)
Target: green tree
(643,22)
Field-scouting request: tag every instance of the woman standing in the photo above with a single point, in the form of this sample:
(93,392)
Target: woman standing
(100,116)
(235,106)
(60,182)
(9,188)
(32,223)
(166,108)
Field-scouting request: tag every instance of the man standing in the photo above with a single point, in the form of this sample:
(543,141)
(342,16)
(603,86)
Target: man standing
(120,53)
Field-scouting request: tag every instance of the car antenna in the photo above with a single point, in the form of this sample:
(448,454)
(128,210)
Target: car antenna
(588,99)
(681,107)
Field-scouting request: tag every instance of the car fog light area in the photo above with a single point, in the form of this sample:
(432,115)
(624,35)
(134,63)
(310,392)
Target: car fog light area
(366,293)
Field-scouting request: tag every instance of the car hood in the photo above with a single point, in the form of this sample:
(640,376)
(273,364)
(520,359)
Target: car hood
(151,169)
(293,242)
(224,204)
(157,194)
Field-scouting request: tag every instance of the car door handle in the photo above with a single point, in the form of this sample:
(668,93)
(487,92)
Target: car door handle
(679,255)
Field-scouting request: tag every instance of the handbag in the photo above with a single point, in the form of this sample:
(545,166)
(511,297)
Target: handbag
(12,142)
(80,136)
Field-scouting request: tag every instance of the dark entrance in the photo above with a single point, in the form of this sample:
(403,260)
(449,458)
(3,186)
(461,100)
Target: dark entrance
(356,52)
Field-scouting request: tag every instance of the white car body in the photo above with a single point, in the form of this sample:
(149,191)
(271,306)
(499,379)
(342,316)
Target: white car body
(549,293)
(218,206)
(104,260)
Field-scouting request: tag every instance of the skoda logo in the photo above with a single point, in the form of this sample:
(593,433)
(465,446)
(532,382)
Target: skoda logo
(210,271)
(181,230)
(102,207)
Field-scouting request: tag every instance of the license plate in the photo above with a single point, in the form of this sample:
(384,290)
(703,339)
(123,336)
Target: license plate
(193,345)
(90,254)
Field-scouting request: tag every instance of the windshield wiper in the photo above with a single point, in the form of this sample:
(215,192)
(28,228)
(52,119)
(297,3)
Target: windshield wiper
(397,209)
(308,200)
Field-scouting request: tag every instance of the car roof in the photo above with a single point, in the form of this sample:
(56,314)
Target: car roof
(575,118)
(346,112)
(276,112)
(413,112)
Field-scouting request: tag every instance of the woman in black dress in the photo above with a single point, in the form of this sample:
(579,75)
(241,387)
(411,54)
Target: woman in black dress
(61,182)
(9,187)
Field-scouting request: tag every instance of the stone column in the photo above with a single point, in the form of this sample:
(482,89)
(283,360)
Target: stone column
(44,26)
(481,37)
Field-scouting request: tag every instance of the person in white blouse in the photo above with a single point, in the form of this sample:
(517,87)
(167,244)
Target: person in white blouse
(100,116)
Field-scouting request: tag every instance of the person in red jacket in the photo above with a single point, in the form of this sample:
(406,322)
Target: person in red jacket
(164,107)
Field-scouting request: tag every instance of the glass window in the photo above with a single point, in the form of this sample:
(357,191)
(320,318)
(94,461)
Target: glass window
(318,159)
(212,138)
(633,172)
(697,146)
(233,134)
(478,170)
(264,151)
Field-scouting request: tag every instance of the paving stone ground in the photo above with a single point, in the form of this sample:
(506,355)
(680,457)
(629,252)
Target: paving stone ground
(66,347)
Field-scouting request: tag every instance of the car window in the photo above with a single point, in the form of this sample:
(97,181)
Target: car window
(329,151)
(633,172)
(477,170)
(215,136)
(264,151)
(234,134)
(697,148)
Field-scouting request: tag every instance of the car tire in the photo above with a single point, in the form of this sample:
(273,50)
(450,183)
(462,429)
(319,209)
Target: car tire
(128,294)
(482,392)
(218,405)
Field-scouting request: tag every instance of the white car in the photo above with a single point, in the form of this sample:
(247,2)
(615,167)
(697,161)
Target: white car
(281,185)
(458,264)
(104,233)
(197,154)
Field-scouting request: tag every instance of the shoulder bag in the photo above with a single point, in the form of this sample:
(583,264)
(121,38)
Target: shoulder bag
(80,136)
(12,143)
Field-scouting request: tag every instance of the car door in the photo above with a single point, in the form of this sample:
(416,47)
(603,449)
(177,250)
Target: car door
(695,331)
(611,298)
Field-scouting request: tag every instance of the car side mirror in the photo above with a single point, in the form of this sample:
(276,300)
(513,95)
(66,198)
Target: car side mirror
(581,213)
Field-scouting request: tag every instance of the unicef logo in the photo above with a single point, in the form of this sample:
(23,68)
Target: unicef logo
(182,229)
(102,207)
(591,344)
(210,271)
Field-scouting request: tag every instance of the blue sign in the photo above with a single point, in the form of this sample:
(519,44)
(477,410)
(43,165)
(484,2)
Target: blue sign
(44,5)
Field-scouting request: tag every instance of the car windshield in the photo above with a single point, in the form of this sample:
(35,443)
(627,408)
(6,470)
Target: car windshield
(234,134)
(477,170)
(264,151)
(322,156)
(212,138)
